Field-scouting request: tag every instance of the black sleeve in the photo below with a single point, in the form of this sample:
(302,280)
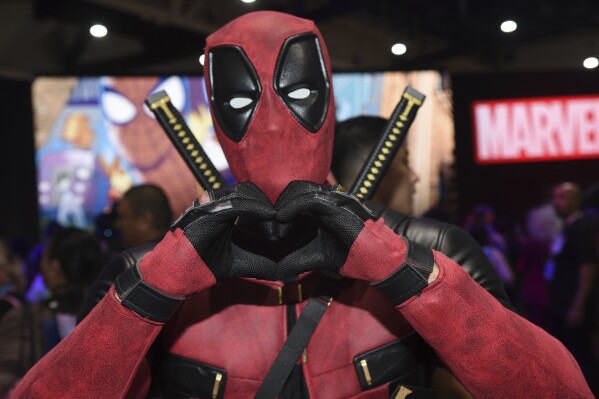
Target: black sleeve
(115,266)
(585,242)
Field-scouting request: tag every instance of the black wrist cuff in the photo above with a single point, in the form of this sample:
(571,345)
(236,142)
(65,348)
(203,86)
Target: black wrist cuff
(143,299)
(411,277)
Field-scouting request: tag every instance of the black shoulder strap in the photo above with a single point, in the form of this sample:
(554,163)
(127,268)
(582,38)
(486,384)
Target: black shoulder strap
(298,339)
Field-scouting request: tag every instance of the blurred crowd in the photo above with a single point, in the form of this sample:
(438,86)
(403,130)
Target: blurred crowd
(43,286)
(548,264)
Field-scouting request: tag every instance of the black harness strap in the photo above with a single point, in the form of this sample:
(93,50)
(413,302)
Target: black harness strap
(298,339)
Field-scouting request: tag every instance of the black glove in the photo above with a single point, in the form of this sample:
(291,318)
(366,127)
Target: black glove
(352,242)
(341,218)
(198,251)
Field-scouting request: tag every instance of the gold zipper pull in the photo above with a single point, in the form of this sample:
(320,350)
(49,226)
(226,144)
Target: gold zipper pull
(217,381)
(364,365)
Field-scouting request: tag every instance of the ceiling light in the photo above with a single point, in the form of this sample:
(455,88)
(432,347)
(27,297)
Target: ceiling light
(202,59)
(248,1)
(508,26)
(98,30)
(591,62)
(399,49)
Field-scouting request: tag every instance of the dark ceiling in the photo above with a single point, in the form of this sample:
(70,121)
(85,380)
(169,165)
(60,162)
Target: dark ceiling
(167,36)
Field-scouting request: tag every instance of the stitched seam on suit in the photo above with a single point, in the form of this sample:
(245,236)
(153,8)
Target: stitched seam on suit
(392,279)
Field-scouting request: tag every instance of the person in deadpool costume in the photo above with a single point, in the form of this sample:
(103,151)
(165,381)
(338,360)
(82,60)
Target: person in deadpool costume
(221,290)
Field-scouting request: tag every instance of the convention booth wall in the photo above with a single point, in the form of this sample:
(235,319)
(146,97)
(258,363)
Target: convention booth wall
(95,138)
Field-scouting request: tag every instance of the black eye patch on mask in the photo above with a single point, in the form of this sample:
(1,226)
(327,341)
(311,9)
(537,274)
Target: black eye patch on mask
(301,80)
(235,89)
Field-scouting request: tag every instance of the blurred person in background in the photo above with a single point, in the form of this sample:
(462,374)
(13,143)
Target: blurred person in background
(501,264)
(104,229)
(19,333)
(590,205)
(590,199)
(542,226)
(70,264)
(572,273)
(484,215)
(12,279)
(143,215)
(37,291)
(355,138)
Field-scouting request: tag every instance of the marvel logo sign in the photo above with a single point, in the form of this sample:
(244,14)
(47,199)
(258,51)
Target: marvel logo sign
(536,129)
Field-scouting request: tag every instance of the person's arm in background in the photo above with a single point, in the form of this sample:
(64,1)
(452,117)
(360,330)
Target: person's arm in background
(502,265)
(586,282)
(586,251)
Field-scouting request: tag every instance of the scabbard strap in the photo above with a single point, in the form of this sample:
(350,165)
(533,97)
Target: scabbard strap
(298,339)
(144,299)
(411,277)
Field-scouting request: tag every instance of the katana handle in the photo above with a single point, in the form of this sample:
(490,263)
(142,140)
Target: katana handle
(391,139)
(185,142)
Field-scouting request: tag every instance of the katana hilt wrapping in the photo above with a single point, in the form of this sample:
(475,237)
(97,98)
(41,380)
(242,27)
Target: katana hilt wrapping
(391,139)
(185,142)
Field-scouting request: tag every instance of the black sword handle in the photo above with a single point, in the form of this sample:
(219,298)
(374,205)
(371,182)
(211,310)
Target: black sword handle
(391,139)
(185,142)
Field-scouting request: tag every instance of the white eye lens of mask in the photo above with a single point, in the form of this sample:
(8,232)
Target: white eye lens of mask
(299,94)
(240,102)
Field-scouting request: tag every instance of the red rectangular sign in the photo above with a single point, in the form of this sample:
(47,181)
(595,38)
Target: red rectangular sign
(536,129)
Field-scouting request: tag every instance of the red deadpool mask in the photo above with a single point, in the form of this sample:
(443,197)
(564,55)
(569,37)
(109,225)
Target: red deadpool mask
(268,77)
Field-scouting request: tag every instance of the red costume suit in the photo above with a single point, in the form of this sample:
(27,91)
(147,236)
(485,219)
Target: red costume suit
(268,75)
